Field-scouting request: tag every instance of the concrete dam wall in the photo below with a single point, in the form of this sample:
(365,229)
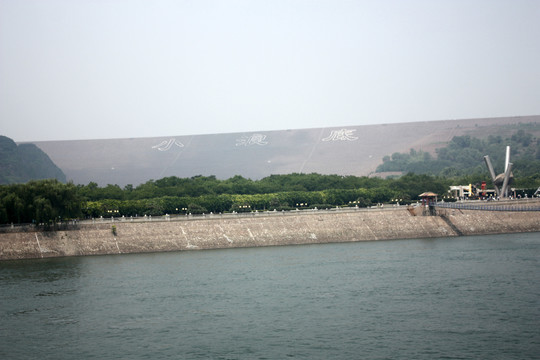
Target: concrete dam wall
(352,150)
(259,229)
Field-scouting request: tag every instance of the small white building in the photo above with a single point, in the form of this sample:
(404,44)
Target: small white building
(461,191)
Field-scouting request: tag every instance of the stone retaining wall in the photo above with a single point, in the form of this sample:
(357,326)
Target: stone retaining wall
(260,230)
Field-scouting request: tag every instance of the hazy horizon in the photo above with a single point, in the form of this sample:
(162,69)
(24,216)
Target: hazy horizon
(126,69)
(275,130)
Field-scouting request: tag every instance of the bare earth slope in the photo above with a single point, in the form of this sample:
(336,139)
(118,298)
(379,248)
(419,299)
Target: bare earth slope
(350,150)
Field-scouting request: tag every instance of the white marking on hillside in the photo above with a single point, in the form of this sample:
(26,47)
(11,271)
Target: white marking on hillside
(311,153)
(255,139)
(341,135)
(167,145)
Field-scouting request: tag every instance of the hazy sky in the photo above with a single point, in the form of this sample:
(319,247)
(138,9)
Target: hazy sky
(89,69)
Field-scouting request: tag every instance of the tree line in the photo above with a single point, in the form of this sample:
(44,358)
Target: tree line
(40,202)
(50,201)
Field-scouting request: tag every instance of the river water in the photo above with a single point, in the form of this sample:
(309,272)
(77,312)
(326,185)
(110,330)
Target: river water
(453,298)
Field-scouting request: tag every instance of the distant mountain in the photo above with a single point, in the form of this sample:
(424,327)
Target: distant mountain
(25,162)
(347,150)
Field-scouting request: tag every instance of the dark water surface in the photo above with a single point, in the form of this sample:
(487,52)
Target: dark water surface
(454,298)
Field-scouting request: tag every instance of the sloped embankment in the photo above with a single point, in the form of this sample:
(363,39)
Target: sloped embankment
(259,230)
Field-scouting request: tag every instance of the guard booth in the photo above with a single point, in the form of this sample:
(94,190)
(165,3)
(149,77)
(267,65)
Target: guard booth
(429,200)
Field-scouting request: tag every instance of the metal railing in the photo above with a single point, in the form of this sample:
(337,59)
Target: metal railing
(76,223)
(235,215)
(489,207)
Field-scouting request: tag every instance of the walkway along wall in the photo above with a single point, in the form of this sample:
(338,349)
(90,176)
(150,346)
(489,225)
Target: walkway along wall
(260,230)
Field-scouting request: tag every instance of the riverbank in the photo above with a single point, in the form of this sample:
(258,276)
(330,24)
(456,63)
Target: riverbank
(260,229)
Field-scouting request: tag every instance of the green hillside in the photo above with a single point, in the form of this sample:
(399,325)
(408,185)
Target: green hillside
(21,163)
(464,155)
